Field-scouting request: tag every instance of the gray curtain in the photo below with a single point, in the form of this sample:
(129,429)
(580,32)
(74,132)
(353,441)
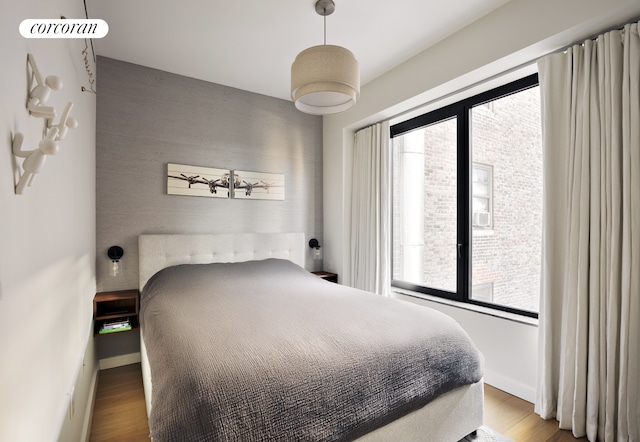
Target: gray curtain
(589,377)
(370,209)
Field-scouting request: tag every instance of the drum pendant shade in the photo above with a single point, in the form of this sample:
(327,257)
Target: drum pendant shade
(325,79)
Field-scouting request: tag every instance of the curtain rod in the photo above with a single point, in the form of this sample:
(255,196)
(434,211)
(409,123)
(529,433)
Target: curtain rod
(599,34)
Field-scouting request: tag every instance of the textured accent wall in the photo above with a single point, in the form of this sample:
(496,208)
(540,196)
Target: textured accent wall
(147,118)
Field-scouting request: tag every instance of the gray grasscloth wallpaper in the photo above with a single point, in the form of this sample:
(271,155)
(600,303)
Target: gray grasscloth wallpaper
(147,118)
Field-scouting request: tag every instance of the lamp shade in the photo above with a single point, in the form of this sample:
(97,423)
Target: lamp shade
(325,79)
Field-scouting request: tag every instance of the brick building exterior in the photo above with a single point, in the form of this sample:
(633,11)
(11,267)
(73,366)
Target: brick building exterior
(506,243)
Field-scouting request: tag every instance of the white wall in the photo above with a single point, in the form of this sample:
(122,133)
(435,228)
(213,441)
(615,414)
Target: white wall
(509,348)
(47,235)
(518,32)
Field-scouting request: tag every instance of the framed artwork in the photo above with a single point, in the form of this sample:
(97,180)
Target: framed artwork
(257,185)
(198,181)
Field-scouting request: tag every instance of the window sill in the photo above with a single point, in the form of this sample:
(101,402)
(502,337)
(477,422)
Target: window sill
(465,306)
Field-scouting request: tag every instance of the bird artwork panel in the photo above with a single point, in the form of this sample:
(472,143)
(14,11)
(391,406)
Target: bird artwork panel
(198,181)
(257,185)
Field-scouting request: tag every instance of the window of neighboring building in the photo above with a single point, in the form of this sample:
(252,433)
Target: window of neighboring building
(483,292)
(467,200)
(481,188)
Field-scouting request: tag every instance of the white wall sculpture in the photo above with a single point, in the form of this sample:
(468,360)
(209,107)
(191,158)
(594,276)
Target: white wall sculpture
(34,160)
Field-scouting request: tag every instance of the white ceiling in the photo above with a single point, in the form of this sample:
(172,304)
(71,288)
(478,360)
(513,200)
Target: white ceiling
(250,45)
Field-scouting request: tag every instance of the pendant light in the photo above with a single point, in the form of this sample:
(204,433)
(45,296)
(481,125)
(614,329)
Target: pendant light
(325,79)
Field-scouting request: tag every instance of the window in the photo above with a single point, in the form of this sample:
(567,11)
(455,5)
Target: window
(467,200)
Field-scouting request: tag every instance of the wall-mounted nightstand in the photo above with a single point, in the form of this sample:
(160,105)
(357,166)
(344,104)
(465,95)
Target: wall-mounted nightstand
(331,277)
(117,308)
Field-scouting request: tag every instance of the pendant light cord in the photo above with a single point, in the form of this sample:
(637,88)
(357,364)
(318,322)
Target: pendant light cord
(325,26)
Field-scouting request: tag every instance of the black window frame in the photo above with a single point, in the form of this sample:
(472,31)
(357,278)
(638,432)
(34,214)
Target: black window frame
(461,110)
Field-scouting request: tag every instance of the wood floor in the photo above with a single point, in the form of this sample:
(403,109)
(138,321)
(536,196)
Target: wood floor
(120,414)
(515,418)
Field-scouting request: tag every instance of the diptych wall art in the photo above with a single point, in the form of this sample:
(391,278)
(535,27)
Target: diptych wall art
(198,181)
(223,183)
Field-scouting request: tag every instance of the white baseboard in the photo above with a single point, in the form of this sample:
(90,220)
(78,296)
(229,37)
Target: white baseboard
(77,409)
(119,361)
(88,412)
(510,386)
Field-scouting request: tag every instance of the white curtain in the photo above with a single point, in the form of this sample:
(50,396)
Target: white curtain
(589,376)
(370,209)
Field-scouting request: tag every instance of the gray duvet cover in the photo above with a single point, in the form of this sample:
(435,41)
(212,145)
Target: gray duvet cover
(265,351)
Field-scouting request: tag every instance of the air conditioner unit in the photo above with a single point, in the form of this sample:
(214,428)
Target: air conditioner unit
(481,219)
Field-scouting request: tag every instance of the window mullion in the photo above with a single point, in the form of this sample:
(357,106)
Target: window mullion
(464,203)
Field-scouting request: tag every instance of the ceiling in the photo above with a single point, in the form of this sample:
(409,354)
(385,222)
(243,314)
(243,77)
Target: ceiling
(250,45)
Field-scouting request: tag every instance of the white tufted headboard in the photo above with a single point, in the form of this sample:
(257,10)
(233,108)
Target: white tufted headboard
(158,251)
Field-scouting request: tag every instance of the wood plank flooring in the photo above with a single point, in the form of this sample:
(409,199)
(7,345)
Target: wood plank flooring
(515,418)
(120,414)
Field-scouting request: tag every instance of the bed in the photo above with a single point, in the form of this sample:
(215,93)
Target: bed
(239,342)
